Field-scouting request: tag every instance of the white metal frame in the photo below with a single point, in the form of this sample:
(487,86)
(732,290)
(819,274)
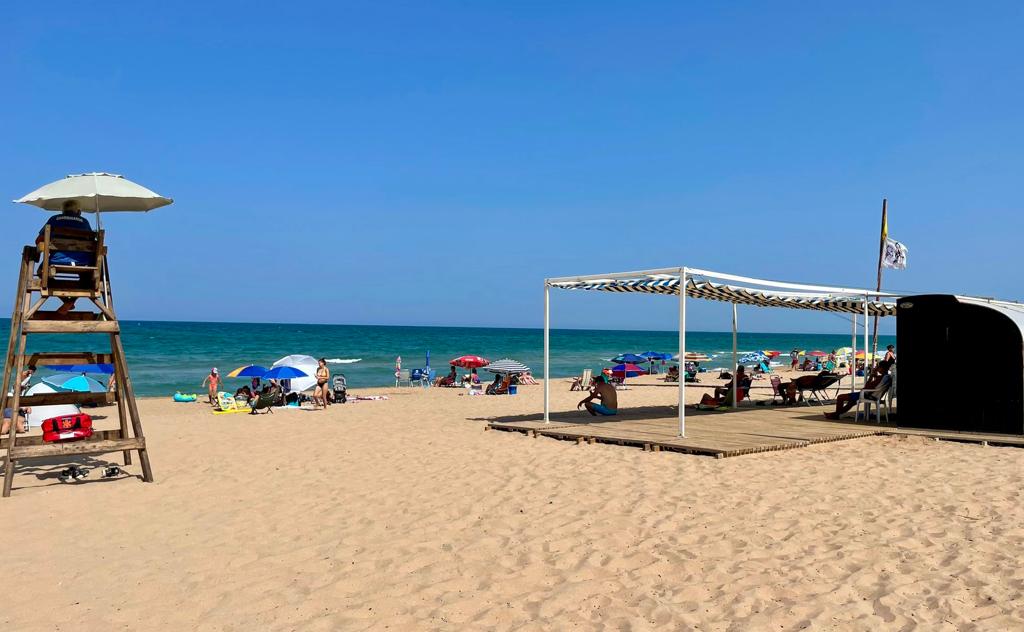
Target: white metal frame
(683,274)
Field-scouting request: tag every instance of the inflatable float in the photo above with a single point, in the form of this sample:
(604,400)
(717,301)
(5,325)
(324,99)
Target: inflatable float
(180,397)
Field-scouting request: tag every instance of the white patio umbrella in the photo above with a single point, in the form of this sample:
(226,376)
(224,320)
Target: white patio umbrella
(96,192)
(306,364)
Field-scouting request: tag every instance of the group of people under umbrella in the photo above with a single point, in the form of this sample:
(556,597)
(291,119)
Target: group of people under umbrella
(508,374)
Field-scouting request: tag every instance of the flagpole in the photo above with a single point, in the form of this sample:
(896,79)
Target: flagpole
(878,287)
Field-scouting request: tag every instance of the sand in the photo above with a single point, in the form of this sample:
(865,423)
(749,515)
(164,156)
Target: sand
(406,515)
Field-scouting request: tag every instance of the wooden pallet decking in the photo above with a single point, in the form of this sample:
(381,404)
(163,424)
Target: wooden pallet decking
(724,434)
(718,434)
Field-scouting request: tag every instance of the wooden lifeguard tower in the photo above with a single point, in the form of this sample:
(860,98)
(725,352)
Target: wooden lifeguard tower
(87,308)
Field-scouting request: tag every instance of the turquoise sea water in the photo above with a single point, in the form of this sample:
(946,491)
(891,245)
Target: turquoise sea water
(167,356)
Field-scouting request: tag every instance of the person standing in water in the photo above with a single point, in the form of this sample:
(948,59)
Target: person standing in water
(213,380)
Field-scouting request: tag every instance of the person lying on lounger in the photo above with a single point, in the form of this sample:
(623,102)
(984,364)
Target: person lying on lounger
(602,390)
(846,401)
(448,380)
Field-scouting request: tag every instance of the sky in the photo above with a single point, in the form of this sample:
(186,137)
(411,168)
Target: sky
(431,163)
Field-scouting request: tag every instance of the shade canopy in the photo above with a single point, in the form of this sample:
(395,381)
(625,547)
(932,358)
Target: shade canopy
(506,366)
(106,192)
(742,291)
(306,364)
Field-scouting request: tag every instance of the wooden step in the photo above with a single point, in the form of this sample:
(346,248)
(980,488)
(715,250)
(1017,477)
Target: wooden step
(71,448)
(70,327)
(98,435)
(56,399)
(71,357)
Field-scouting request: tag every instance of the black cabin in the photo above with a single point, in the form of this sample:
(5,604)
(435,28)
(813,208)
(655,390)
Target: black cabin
(961,364)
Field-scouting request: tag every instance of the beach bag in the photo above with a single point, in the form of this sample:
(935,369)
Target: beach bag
(67,428)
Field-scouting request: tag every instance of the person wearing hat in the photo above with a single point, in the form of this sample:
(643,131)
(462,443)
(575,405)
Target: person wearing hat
(214,381)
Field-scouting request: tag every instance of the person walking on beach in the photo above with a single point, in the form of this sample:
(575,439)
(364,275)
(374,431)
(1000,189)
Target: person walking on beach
(794,359)
(605,392)
(213,380)
(323,376)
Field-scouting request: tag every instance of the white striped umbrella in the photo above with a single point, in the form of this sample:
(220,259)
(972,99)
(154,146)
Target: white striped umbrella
(506,366)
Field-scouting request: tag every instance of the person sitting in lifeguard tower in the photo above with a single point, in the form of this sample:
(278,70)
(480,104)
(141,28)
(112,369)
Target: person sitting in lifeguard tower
(70,216)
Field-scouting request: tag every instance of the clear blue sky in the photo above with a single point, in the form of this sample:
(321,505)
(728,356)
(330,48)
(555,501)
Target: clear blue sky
(431,163)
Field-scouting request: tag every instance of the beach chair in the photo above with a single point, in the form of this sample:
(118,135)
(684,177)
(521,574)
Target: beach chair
(56,277)
(582,382)
(226,401)
(404,377)
(264,402)
(875,398)
(777,389)
(501,389)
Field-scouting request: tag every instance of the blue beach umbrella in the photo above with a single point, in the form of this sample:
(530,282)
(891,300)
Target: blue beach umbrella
(78,383)
(249,370)
(656,355)
(106,369)
(629,358)
(283,373)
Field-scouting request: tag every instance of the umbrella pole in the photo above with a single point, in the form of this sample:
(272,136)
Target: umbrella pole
(96,185)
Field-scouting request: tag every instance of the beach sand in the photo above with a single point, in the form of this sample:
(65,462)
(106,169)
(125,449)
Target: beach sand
(405,515)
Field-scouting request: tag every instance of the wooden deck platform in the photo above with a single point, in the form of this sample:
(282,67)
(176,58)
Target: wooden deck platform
(719,434)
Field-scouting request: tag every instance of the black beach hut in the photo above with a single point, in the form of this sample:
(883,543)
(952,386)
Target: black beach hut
(961,364)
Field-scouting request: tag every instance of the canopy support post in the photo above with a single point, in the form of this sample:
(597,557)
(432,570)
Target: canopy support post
(866,358)
(735,361)
(547,352)
(682,352)
(853,355)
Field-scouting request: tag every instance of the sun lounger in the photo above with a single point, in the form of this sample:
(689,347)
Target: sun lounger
(817,387)
(582,382)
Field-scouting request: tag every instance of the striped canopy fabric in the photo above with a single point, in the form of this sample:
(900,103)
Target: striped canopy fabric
(506,366)
(666,284)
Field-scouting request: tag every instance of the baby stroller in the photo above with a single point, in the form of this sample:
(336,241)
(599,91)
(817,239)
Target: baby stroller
(340,388)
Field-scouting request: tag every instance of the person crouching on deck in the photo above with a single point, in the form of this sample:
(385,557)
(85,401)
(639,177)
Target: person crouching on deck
(605,392)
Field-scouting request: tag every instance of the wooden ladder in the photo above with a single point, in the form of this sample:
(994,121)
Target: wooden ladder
(28,318)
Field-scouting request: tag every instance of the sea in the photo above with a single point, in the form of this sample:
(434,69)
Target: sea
(164,357)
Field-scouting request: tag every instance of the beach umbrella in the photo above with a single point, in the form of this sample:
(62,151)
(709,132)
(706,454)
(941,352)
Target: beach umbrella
(656,355)
(627,370)
(772,354)
(817,354)
(860,355)
(692,356)
(755,356)
(506,366)
(106,369)
(306,364)
(629,358)
(469,362)
(249,370)
(77,383)
(284,373)
(96,192)
(41,413)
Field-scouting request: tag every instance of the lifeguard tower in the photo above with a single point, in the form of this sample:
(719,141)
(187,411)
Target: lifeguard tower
(86,307)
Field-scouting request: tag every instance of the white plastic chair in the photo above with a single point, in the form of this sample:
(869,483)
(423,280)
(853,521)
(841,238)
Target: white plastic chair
(403,376)
(875,397)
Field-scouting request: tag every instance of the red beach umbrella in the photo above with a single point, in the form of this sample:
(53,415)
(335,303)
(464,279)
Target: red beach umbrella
(818,354)
(469,362)
(627,370)
(772,354)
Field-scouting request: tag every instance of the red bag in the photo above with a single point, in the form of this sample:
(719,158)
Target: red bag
(67,428)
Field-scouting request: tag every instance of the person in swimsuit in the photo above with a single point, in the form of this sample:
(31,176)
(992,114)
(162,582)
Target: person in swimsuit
(323,376)
(213,380)
(605,392)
